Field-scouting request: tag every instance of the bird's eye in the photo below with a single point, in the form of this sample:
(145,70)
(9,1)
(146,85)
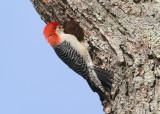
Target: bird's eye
(60,27)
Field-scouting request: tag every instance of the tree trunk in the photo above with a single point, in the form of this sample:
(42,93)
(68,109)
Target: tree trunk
(124,36)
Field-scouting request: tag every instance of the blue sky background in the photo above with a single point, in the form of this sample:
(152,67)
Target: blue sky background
(33,80)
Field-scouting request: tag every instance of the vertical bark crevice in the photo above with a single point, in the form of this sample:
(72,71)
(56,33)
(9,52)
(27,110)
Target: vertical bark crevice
(124,37)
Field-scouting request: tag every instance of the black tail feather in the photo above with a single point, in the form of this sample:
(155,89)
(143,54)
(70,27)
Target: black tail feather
(105,76)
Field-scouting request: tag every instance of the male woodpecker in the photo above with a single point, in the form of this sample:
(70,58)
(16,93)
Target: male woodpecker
(76,56)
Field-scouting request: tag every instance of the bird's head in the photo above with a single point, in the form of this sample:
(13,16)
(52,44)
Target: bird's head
(51,32)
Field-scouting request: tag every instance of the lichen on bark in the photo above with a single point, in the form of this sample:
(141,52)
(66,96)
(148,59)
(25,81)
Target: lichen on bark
(124,36)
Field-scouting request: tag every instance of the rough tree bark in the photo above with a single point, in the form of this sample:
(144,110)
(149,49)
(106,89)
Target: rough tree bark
(124,36)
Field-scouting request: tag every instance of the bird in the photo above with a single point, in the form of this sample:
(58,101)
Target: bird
(75,55)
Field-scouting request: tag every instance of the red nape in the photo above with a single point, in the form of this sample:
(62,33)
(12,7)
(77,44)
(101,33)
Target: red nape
(50,33)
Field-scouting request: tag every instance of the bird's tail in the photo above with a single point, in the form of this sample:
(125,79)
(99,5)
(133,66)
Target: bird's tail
(105,76)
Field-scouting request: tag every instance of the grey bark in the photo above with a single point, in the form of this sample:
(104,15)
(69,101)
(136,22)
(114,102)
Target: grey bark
(124,36)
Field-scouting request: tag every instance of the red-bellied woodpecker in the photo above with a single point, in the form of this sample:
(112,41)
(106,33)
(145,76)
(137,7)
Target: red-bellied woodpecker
(76,56)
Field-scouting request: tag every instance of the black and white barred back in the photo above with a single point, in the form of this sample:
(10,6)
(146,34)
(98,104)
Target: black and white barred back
(76,62)
(72,58)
